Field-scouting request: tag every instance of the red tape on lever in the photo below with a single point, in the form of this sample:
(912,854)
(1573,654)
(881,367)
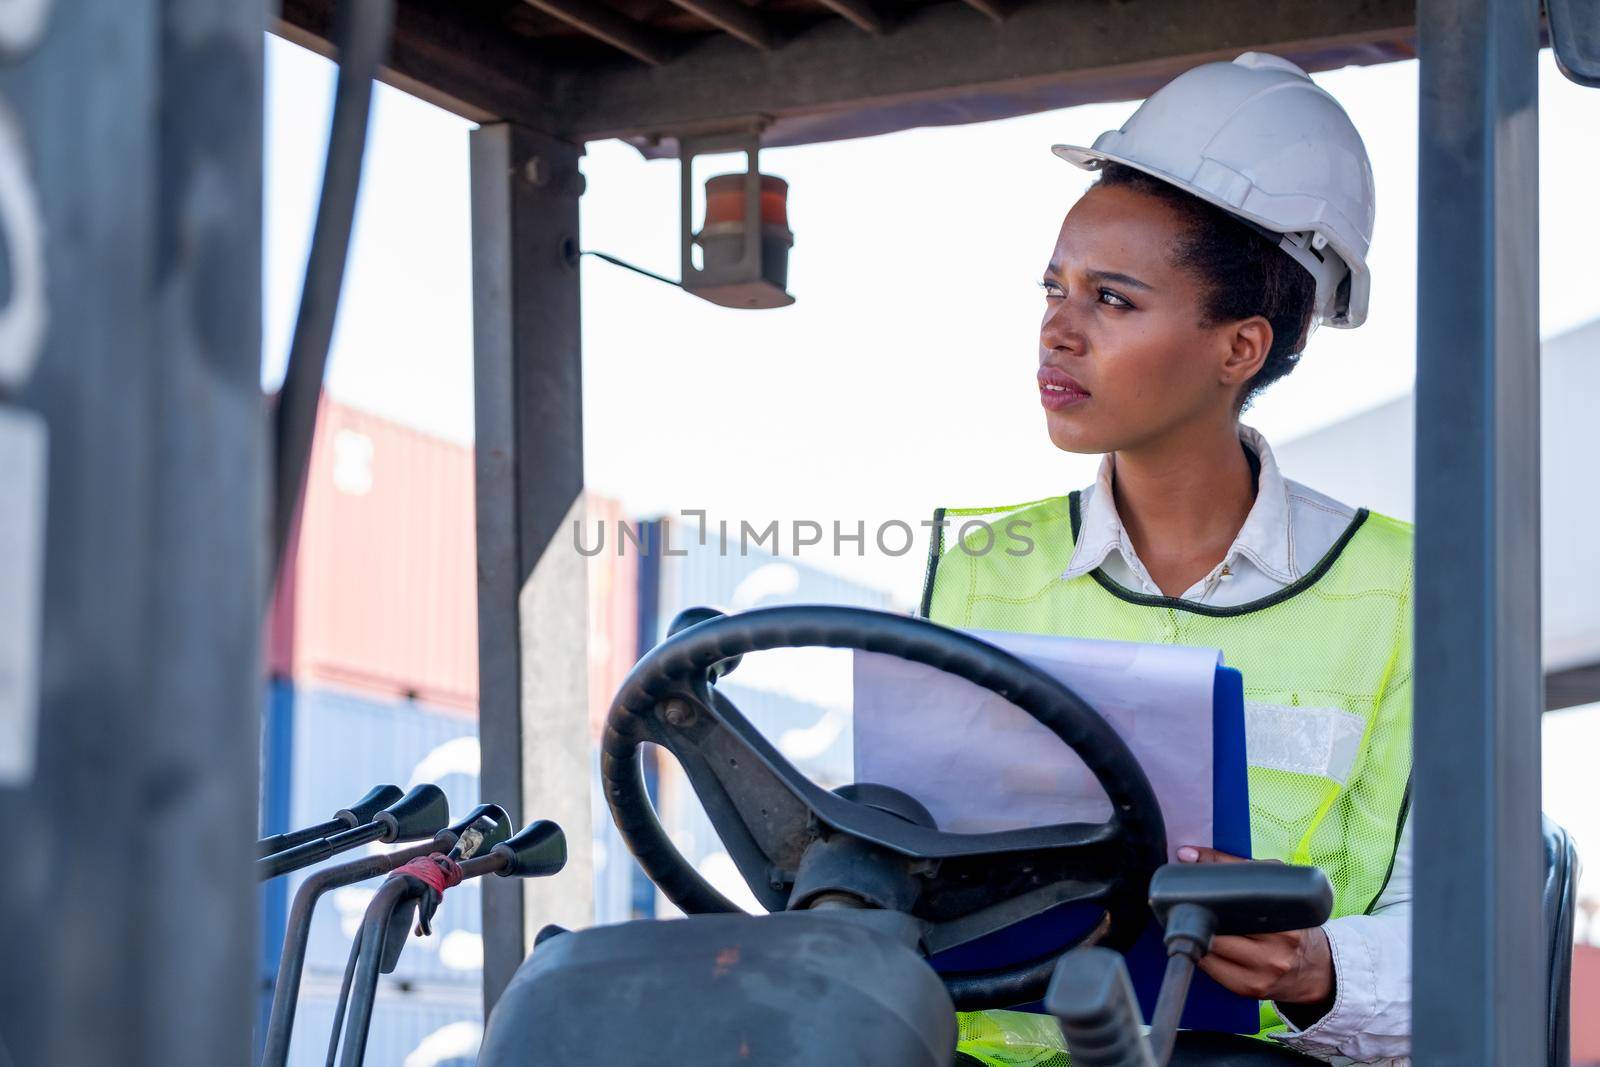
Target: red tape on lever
(437,871)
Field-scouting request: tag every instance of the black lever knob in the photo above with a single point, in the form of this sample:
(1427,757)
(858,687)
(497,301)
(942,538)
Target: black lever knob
(1245,898)
(484,827)
(361,812)
(536,851)
(421,813)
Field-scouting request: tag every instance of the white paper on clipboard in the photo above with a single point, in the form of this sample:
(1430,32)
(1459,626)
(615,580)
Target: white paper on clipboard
(980,763)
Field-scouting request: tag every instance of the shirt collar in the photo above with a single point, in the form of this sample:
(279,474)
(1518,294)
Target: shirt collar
(1263,539)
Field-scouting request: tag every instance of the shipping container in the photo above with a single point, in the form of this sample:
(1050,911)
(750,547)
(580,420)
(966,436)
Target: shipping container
(1586,1003)
(412,1025)
(379,591)
(375,615)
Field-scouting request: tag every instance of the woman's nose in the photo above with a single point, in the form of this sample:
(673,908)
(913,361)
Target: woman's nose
(1059,329)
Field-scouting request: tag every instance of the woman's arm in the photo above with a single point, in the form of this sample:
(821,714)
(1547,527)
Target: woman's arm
(1343,989)
(1370,1017)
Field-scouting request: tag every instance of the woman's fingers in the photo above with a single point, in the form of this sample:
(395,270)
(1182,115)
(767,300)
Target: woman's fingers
(1235,977)
(1241,950)
(1201,854)
(1295,966)
(1257,950)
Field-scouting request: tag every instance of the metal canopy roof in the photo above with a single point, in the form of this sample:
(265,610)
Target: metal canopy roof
(154,502)
(806,71)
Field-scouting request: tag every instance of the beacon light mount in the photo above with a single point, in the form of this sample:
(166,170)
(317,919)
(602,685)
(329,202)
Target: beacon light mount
(745,239)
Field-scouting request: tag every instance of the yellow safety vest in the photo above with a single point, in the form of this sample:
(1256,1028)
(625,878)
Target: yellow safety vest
(1327,682)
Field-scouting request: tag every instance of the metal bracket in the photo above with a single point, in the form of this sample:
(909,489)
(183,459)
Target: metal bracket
(748,267)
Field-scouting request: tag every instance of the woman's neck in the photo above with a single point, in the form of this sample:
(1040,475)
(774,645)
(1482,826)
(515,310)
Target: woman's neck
(1182,499)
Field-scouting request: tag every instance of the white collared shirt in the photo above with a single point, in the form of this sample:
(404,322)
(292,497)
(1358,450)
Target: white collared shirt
(1289,528)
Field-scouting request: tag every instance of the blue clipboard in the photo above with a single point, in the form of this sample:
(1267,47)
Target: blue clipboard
(1210,1006)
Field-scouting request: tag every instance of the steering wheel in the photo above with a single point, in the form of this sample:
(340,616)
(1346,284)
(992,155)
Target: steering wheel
(958,886)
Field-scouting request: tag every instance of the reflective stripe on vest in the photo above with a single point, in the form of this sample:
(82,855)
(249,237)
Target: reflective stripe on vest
(1326,664)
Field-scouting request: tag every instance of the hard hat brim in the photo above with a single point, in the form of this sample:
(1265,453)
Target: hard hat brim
(1082,158)
(1093,159)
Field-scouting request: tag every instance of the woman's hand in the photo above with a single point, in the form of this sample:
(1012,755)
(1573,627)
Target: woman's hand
(1294,967)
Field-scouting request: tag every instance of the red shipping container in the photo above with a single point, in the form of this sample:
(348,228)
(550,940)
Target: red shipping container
(379,592)
(1585,1005)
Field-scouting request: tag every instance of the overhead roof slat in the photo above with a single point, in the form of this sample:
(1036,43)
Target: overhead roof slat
(602,23)
(994,9)
(735,19)
(858,12)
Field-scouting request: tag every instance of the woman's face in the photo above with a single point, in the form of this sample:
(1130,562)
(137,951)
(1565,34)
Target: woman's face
(1124,355)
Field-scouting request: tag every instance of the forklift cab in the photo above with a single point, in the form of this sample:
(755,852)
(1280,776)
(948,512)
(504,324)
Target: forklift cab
(863,887)
(130,346)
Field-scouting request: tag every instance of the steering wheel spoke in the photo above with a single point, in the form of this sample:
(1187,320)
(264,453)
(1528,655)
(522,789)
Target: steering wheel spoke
(777,825)
(763,822)
(1082,871)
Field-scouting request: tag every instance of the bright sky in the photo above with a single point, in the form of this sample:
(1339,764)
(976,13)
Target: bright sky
(903,377)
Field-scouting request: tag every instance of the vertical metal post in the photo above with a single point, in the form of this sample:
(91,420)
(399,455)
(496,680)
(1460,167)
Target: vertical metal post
(532,584)
(1478,949)
(127,924)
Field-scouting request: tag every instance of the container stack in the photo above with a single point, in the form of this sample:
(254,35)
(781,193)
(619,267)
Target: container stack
(372,658)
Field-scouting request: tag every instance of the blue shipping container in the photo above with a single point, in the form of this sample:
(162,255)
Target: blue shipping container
(323,750)
(411,1026)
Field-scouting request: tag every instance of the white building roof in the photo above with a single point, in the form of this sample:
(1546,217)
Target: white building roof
(1366,461)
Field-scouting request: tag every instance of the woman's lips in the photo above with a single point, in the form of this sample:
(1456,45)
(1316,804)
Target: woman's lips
(1059,390)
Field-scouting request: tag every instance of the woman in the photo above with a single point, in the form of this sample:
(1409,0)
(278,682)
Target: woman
(1232,212)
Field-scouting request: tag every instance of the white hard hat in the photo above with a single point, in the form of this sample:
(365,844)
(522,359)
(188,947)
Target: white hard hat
(1259,139)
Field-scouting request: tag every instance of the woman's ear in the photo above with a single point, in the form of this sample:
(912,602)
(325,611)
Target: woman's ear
(1249,342)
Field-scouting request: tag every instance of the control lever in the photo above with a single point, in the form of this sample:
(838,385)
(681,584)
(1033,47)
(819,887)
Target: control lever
(1195,902)
(1091,997)
(358,814)
(538,850)
(1090,993)
(484,827)
(487,825)
(421,813)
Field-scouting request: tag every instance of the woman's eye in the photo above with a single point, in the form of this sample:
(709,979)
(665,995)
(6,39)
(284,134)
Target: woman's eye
(1111,298)
(1051,289)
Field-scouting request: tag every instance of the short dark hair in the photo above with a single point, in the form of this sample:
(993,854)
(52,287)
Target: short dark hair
(1244,272)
